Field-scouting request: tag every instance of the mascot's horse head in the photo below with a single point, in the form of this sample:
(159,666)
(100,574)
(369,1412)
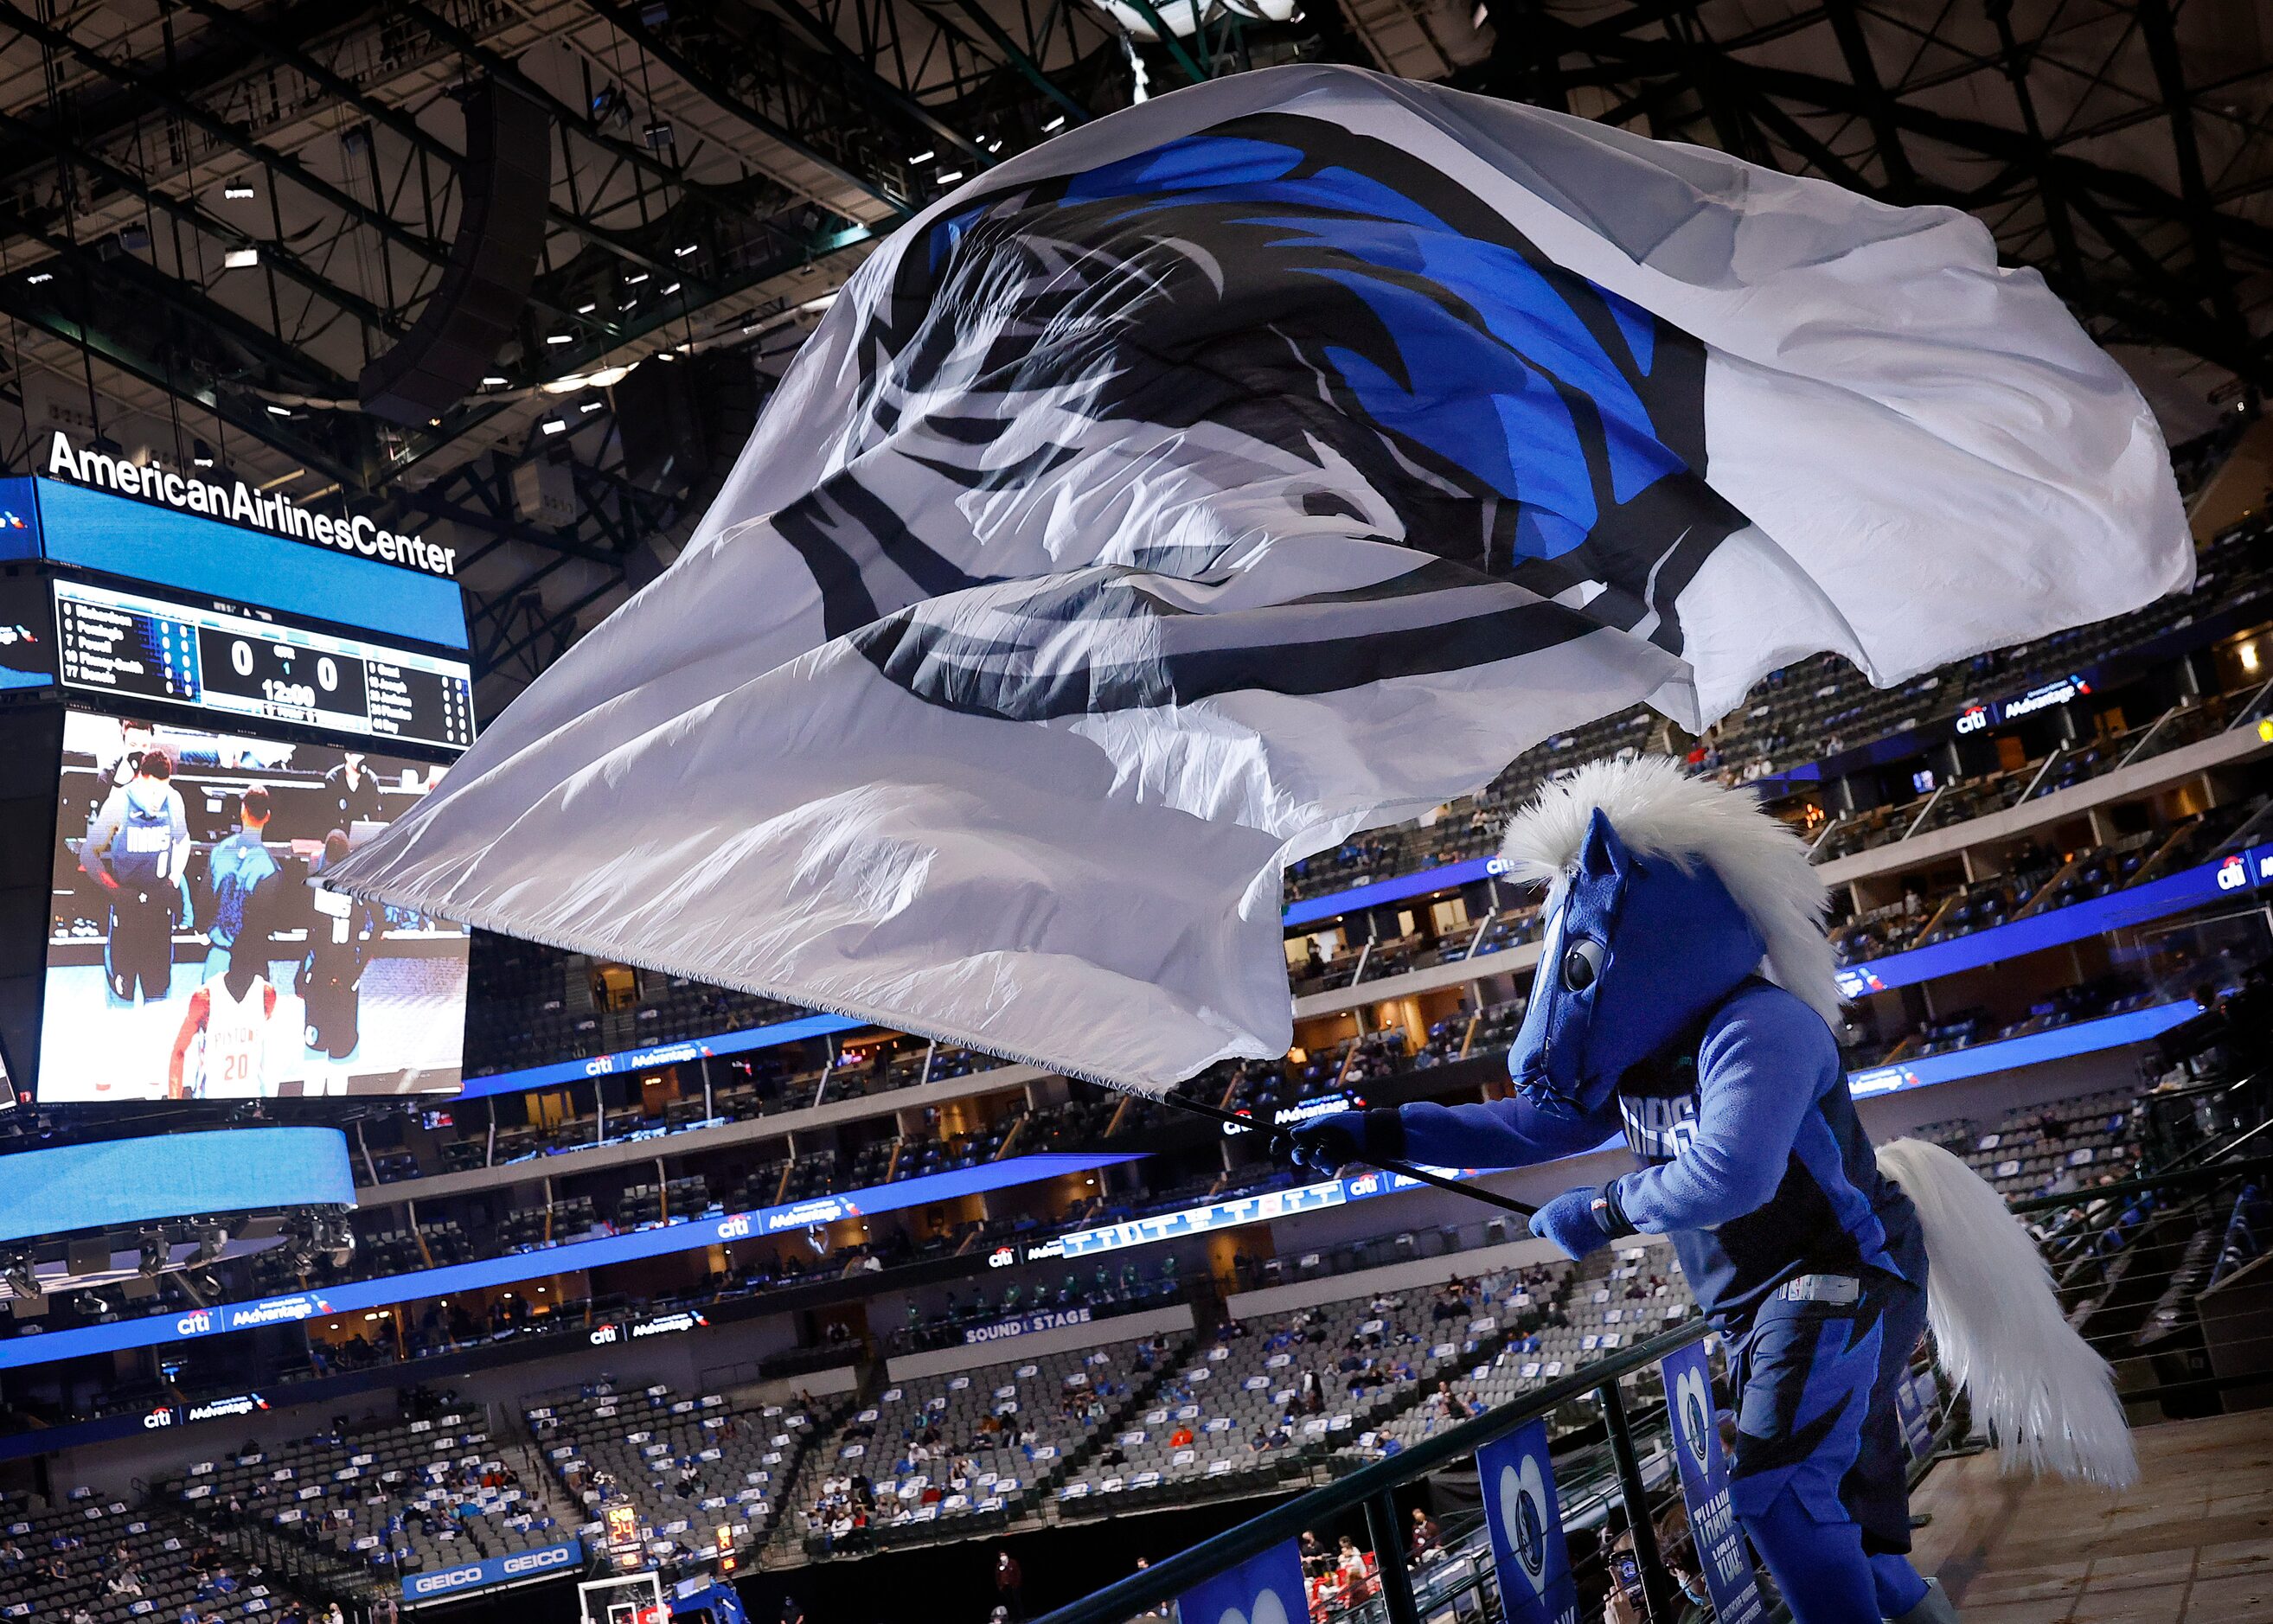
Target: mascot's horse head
(1667,892)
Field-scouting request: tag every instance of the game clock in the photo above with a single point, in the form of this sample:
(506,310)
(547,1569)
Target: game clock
(251,664)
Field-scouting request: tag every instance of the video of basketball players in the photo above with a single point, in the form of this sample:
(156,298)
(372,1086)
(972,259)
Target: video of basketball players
(192,956)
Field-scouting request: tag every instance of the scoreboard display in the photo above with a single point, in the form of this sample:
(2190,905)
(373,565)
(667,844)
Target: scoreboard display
(258,666)
(197,719)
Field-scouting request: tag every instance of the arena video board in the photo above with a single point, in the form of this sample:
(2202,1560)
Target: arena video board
(116,1183)
(242,665)
(190,956)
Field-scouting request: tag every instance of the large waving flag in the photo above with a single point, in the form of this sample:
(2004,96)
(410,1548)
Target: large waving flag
(1274,459)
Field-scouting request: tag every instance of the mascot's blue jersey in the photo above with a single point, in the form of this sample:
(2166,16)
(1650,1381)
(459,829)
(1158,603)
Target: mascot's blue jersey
(1757,1168)
(1763,1076)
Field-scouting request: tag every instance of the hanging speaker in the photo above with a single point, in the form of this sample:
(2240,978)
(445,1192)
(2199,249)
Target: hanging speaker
(503,188)
(683,421)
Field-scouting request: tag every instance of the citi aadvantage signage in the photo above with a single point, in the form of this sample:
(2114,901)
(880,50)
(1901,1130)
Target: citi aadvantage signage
(239,504)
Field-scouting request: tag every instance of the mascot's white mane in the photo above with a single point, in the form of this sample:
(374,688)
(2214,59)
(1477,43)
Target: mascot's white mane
(1660,811)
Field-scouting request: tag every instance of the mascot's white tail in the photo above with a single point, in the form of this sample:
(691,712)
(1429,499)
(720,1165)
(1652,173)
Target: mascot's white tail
(1998,1327)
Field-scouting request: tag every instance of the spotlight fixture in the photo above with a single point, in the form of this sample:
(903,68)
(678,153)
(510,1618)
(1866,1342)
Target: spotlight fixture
(211,1239)
(22,1276)
(157,1249)
(336,1237)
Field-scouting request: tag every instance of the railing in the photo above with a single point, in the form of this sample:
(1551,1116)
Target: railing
(2132,1250)
(1371,1489)
(296,1562)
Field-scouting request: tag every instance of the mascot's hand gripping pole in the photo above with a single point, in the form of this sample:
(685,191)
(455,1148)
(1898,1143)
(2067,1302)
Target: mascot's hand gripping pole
(1405,1170)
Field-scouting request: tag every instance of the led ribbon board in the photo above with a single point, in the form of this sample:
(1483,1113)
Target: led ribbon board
(682,1053)
(598,1252)
(2192,887)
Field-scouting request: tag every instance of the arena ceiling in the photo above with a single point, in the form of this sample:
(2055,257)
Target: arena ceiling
(720,166)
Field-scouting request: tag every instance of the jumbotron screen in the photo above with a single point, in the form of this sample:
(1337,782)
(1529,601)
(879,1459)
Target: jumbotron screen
(189,955)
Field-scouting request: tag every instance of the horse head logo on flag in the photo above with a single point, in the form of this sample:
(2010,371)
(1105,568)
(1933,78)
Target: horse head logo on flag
(1693,1403)
(1522,1501)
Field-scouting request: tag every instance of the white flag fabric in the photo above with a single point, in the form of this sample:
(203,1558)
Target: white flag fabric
(1274,459)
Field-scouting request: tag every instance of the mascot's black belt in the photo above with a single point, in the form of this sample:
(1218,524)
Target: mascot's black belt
(1843,1290)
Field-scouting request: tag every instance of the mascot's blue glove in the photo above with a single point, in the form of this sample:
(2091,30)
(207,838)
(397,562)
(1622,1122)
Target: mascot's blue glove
(1329,1143)
(1580,1220)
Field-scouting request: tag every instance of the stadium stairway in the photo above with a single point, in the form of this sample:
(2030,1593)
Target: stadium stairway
(955,1401)
(322,1577)
(686,1464)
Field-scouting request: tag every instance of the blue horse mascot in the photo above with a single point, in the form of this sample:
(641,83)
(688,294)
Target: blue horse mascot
(1685,999)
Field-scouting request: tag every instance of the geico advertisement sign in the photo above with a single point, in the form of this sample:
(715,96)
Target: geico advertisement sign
(494,1570)
(457,1578)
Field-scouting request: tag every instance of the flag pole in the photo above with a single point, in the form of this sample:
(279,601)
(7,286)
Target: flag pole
(1406,1169)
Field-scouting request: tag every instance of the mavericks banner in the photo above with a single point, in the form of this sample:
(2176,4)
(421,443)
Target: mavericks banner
(1249,467)
(1263,1589)
(1704,1488)
(1527,1529)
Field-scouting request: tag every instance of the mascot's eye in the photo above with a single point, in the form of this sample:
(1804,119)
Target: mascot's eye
(1582,962)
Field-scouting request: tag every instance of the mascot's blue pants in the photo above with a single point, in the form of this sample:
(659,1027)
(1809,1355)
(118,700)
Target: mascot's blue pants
(1820,1480)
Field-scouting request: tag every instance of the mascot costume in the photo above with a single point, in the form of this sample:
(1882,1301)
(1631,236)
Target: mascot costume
(1683,1000)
